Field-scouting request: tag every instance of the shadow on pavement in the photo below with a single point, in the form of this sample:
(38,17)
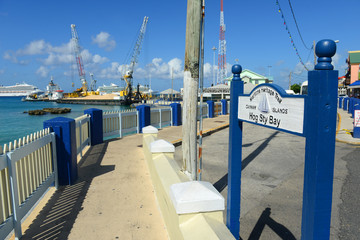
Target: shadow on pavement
(57,218)
(221,184)
(266,220)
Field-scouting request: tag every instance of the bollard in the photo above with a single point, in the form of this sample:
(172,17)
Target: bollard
(346,103)
(223,107)
(320,130)
(210,108)
(144,116)
(176,114)
(64,129)
(350,105)
(356,132)
(341,99)
(96,125)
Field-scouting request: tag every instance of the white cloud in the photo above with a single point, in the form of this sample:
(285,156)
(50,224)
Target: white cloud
(99,59)
(299,68)
(37,47)
(104,40)
(160,69)
(42,71)
(56,59)
(51,57)
(10,56)
(111,72)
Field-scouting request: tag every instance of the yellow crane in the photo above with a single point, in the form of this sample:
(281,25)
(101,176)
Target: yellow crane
(127,92)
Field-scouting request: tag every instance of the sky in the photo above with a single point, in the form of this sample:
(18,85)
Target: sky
(35,39)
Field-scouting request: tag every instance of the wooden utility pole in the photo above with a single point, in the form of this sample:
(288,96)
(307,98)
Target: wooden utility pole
(314,54)
(191,86)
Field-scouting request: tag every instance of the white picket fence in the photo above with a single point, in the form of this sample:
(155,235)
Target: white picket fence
(120,123)
(28,167)
(161,117)
(82,131)
(205,111)
(217,109)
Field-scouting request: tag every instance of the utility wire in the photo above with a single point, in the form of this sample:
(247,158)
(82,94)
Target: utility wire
(297,27)
(290,36)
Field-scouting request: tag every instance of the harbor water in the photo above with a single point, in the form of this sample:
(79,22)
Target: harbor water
(15,124)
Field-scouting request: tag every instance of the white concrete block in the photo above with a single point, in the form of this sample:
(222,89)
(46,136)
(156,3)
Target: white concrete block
(150,129)
(196,196)
(161,145)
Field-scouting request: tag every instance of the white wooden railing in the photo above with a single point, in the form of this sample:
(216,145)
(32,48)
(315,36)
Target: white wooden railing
(217,109)
(28,167)
(120,123)
(205,111)
(161,117)
(82,130)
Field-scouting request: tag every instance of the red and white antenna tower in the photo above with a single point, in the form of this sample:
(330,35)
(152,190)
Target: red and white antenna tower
(222,48)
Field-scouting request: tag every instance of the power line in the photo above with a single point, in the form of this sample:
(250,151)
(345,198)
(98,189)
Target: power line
(297,27)
(290,36)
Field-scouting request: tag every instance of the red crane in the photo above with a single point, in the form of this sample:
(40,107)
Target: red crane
(79,62)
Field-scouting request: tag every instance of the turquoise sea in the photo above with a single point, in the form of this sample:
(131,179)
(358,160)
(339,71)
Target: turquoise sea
(15,124)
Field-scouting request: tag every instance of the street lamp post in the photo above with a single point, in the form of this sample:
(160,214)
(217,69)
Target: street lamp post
(214,49)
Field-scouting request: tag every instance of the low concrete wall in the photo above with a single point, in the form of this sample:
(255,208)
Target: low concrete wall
(191,210)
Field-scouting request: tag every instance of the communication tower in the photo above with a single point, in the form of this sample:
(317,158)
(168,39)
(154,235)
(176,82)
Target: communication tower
(222,48)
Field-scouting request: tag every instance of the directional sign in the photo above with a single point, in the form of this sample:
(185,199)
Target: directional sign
(270,106)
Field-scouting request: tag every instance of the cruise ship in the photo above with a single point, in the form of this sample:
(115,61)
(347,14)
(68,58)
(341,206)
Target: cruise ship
(20,89)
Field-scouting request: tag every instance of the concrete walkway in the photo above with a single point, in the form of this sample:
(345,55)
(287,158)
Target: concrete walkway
(113,197)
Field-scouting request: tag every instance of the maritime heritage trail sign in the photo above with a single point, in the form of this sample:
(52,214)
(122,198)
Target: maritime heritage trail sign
(312,116)
(270,106)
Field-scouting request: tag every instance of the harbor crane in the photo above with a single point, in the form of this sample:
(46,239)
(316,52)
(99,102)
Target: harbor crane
(127,93)
(79,62)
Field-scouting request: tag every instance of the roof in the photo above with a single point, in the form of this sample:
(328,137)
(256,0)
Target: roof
(354,57)
(251,75)
(168,91)
(355,84)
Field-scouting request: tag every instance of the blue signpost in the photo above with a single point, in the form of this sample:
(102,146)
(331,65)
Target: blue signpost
(312,116)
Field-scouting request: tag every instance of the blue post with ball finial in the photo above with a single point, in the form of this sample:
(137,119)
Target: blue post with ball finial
(235,153)
(320,131)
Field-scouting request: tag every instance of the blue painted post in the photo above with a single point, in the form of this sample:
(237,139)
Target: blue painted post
(341,99)
(64,129)
(211,108)
(350,106)
(223,107)
(356,132)
(320,131)
(144,116)
(176,114)
(346,103)
(96,125)
(235,155)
